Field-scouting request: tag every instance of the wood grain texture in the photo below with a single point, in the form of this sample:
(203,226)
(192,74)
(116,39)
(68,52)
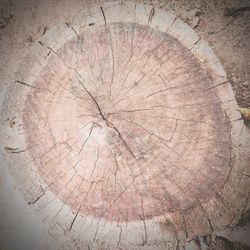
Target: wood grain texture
(126,131)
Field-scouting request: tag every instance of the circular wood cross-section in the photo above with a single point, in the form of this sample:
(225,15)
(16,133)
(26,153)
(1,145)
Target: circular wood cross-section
(127,125)
(123,131)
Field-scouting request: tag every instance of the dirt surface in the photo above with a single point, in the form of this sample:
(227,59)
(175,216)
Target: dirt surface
(62,134)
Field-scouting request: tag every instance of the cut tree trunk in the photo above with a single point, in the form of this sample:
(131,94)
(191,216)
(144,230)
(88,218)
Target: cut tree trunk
(130,134)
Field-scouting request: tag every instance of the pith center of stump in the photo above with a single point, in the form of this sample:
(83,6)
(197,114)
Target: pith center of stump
(126,126)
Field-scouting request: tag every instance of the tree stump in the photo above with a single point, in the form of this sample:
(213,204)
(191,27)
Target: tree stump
(126,133)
